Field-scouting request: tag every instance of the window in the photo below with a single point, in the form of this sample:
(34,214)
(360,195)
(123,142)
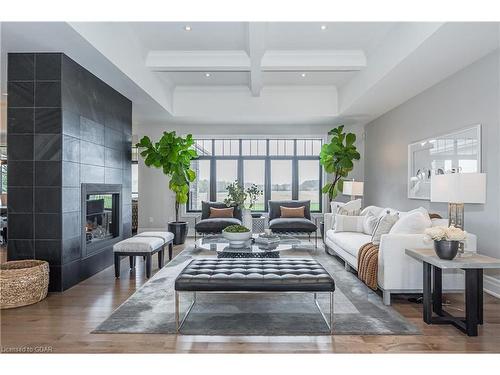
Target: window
(281,179)
(281,168)
(254,172)
(199,190)
(309,180)
(227,172)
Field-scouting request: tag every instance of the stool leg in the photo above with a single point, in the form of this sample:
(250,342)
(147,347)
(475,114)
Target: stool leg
(148,266)
(161,256)
(131,259)
(117,265)
(170,250)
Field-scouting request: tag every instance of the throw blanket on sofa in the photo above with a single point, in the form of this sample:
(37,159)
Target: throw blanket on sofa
(368,264)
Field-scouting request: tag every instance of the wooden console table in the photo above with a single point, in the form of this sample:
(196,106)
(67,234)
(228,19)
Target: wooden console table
(473,266)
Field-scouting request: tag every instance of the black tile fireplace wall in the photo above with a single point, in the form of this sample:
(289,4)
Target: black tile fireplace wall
(65,127)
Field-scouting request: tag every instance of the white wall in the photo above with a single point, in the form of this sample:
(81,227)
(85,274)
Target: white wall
(156,202)
(467,98)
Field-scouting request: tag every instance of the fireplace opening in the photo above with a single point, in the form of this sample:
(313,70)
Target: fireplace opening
(101,217)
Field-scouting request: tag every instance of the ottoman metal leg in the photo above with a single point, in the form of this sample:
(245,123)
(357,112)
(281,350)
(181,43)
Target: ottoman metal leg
(170,250)
(329,321)
(132,261)
(179,323)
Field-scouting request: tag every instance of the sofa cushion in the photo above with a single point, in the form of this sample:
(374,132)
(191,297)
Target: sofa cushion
(375,210)
(292,225)
(138,244)
(166,236)
(350,242)
(215,225)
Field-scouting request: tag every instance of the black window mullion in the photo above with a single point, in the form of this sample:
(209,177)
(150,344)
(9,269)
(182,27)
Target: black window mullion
(295,178)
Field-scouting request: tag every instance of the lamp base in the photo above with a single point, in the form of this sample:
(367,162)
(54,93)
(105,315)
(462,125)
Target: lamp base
(456,218)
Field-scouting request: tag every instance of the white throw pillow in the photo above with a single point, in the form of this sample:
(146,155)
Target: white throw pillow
(384,225)
(351,208)
(369,223)
(347,223)
(419,209)
(371,209)
(412,223)
(334,206)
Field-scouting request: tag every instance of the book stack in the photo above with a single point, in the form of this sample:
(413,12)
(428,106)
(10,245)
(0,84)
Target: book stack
(267,239)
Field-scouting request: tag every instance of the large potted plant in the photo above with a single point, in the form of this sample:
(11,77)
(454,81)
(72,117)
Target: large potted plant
(173,154)
(337,158)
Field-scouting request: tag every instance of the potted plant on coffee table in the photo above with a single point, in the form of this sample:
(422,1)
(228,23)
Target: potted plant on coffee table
(237,196)
(173,155)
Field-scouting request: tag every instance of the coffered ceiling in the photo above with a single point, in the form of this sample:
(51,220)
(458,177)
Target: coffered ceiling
(262,72)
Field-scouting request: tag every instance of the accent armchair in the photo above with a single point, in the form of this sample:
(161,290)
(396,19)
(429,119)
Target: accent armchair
(207,225)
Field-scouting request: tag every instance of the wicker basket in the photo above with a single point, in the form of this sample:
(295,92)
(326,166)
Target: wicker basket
(23,282)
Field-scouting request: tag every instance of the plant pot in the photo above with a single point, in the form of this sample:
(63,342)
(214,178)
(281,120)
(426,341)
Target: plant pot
(179,229)
(446,249)
(246,216)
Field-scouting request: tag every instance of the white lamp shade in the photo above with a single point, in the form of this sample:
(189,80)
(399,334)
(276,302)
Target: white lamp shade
(354,188)
(459,188)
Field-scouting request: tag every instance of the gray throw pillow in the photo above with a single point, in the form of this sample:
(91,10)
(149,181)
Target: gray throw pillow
(384,226)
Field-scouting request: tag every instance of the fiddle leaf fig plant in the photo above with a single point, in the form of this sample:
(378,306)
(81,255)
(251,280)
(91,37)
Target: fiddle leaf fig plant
(172,154)
(337,158)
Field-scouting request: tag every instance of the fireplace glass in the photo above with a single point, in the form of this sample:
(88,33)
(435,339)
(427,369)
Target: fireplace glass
(102,218)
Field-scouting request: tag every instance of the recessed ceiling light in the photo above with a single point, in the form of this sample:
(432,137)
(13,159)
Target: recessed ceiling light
(323,27)
(187,28)
(303,75)
(207,75)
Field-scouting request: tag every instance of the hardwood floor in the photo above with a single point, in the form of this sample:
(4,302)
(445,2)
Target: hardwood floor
(63,321)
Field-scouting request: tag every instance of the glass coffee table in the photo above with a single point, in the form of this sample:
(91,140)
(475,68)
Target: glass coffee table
(252,249)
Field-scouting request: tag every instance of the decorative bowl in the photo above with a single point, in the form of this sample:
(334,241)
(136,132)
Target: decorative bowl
(237,239)
(446,249)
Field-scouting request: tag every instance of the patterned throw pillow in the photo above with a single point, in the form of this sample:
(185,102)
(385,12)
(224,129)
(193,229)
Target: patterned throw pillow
(351,208)
(384,226)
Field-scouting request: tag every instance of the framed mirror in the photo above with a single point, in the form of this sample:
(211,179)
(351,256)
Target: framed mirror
(458,151)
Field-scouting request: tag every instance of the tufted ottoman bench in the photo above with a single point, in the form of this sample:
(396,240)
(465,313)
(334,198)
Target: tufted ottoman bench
(144,244)
(254,275)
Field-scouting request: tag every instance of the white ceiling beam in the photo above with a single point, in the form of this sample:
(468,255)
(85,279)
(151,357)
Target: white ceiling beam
(194,61)
(256,48)
(333,60)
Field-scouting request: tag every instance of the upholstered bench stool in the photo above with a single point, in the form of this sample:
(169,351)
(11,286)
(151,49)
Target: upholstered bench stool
(145,244)
(254,275)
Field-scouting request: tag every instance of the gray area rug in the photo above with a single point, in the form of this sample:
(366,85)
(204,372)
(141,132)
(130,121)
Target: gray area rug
(358,310)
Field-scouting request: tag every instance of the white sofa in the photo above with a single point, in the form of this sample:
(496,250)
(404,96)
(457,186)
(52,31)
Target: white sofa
(397,272)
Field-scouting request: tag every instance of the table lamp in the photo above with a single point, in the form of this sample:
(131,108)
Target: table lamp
(353,188)
(457,189)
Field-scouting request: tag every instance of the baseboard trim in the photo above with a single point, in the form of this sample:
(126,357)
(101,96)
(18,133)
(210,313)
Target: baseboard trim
(491,285)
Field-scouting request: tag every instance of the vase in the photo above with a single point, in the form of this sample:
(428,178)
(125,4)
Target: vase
(246,218)
(446,249)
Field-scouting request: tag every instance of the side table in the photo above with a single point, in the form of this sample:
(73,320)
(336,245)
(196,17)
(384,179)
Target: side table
(473,266)
(258,224)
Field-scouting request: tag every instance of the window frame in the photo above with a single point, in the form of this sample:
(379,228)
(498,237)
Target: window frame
(267,174)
